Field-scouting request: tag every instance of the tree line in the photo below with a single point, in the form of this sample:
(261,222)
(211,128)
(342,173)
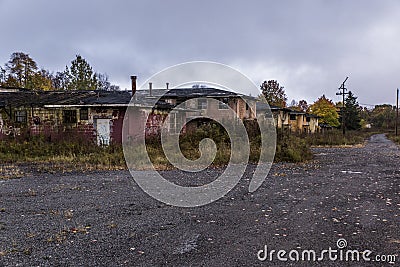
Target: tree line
(330,113)
(21,71)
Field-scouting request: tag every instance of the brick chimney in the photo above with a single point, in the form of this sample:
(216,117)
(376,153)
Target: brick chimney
(150,89)
(133,79)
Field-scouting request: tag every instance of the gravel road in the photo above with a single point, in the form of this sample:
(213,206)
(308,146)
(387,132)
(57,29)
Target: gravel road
(105,219)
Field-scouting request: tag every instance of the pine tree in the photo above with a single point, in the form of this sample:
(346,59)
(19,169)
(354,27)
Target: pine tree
(60,80)
(80,75)
(352,112)
(3,76)
(102,82)
(21,70)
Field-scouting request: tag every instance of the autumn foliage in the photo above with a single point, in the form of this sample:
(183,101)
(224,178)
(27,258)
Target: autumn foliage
(326,110)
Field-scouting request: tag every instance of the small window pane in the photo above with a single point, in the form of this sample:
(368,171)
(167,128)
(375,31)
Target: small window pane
(84,114)
(20,116)
(202,103)
(69,116)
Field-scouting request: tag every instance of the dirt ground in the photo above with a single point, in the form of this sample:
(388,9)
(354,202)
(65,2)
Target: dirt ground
(105,219)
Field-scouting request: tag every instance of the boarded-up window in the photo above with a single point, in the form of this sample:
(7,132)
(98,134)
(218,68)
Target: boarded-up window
(20,116)
(69,116)
(84,114)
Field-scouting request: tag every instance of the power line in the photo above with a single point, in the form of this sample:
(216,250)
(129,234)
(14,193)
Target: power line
(397,109)
(342,92)
(363,104)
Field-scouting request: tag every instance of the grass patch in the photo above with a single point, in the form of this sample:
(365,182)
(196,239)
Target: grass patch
(336,138)
(76,153)
(10,171)
(392,136)
(65,155)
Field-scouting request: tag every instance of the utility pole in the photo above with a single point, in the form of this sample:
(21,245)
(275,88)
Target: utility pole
(397,110)
(342,92)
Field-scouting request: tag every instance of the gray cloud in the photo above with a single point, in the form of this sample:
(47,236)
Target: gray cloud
(309,46)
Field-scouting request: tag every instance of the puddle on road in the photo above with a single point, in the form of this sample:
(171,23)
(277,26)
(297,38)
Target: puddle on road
(351,172)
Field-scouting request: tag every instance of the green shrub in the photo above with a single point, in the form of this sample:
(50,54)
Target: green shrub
(393,137)
(291,148)
(77,151)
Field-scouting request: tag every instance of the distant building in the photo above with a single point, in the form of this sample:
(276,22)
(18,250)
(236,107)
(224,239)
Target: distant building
(292,120)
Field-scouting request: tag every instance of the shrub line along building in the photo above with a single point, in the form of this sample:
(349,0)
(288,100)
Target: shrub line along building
(100,114)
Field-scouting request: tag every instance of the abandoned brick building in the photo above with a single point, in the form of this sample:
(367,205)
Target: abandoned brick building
(100,114)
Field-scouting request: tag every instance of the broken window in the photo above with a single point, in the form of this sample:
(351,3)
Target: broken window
(292,117)
(69,116)
(20,116)
(308,119)
(84,114)
(223,103)
(202,103)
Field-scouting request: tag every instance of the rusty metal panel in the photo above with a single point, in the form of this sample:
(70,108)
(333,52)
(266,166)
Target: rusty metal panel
(116,127)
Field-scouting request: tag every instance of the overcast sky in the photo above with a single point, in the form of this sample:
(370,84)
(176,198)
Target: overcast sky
(308,46)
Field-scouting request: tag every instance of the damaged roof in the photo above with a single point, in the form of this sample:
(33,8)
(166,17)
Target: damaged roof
(85,98)
(63,98)
(187,93)
(192,92)
(18,97)
(263,107)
